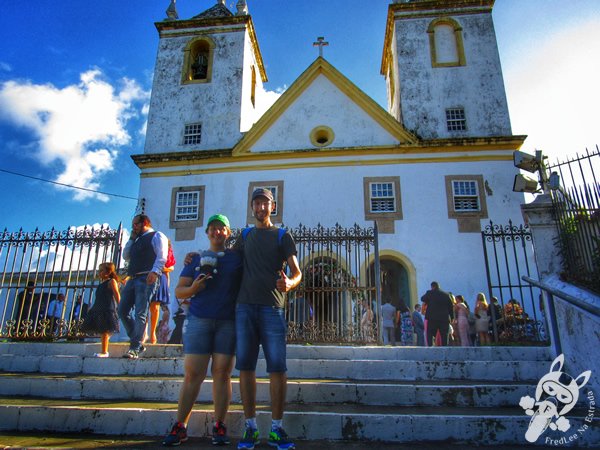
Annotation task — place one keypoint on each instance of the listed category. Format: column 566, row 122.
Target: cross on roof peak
column 320, row 43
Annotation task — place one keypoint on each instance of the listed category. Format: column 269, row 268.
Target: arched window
column 446, row 44
column 198, row 60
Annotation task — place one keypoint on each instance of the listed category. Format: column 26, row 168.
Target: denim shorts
column 260, row 325
column 208, row 336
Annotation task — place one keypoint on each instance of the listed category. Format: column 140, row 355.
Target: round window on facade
column 321, row 136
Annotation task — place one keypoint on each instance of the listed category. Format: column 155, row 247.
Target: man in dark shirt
column 260, row 316
column 439, row 313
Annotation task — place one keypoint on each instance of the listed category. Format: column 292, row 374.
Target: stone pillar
column 538, row 214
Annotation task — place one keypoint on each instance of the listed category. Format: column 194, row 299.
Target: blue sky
column 75, row 79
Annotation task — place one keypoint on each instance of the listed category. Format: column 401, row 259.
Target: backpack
column 280, row 233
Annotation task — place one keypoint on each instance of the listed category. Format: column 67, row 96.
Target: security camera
column 524, row 183
column 526, row 161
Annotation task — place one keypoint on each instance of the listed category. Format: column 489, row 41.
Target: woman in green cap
column 209, row 331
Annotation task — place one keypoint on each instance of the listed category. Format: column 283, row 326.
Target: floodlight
column 524, row 183
column 526, row 161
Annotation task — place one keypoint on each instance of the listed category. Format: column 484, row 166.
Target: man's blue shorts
column 260, row 325
column 208, row 336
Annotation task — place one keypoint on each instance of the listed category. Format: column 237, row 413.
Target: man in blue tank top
column 146, row 252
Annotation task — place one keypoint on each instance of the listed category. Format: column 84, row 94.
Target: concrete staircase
column 394, row 394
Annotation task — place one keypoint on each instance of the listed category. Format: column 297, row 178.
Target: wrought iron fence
column 39, row 269
column 337, row 300
column 515, row 306
column 576, row 202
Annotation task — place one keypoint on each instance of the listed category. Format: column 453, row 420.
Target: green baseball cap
column 218, row 218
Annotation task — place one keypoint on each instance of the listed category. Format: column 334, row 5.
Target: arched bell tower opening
column 197, row 66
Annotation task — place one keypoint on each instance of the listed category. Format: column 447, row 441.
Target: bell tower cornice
column 176, row 28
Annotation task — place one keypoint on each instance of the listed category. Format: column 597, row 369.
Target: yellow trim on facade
column 320, row 164
column 322, row 67
column 442, row 146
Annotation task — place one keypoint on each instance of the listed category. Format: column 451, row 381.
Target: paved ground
column 16, row 440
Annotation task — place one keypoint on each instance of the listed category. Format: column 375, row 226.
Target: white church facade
column 432, row 170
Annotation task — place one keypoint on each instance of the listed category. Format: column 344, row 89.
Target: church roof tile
column 219, row 10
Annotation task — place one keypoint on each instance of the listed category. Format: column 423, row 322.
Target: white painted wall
column 216, row 104
column 322, row 103
column 426, row 236
column 250, row 113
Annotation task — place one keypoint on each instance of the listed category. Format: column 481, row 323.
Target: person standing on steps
column 419, row 325
column 209, row 332
column 102, row 317
column 439, row 313
column 146, row 251
column 260, row 316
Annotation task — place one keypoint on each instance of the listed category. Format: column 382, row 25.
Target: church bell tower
column 442, row 68
column 208, row 70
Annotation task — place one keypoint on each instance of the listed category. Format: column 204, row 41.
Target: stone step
column 470, row 426
column 329, row 352
column 152, row 388
column 43, row 440
column 367, row 369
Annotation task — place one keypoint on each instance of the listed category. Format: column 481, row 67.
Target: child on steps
column 102, row 317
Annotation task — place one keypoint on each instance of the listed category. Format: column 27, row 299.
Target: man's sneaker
column 141, row 350
column 131, row 354
column 279, row 439
column 249, row 439
column 101, row 355
column 220, row 434
column 177, row 435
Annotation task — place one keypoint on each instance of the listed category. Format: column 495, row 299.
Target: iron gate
column 516, row 307
column 340, row 285
column 41, row 267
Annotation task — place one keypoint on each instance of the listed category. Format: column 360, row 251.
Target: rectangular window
column 187, row 206
column 466, row 195
column 192, row 134
column 382, row 197
column 455, row 119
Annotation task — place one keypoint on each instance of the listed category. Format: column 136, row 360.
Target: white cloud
column 82, row 126
column 265, row 99
column 5, row 67
column 553, row 92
